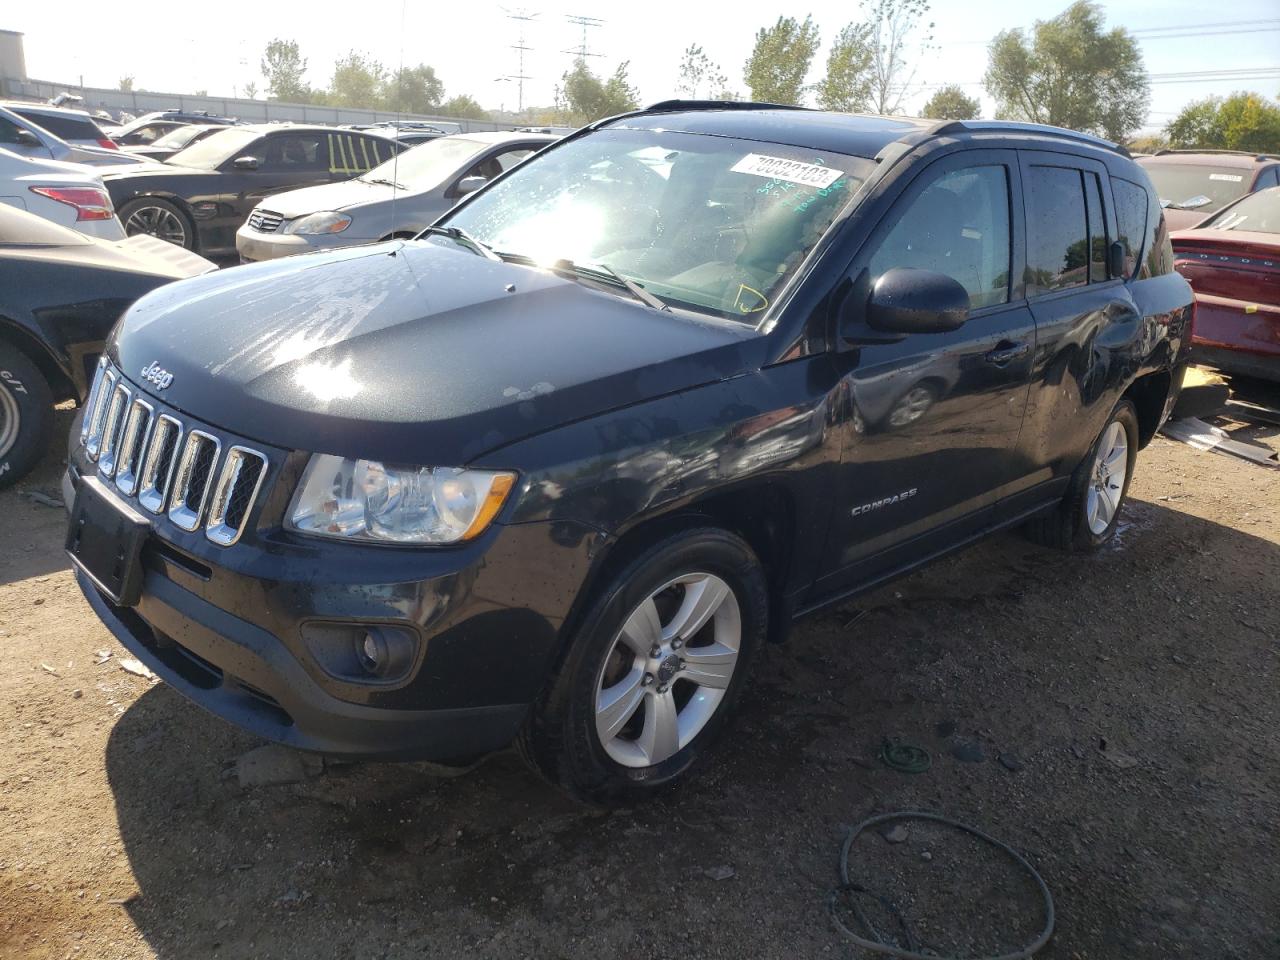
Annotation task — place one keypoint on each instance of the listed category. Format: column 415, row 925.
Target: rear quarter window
column 1131, row 220
column 1159, row 249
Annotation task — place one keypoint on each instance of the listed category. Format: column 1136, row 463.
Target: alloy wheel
column 668, row 669
column 1106, row 484
column 915, row 403
column 157, row 222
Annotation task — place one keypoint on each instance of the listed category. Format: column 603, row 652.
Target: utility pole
column 586, row 23
column 524, row 17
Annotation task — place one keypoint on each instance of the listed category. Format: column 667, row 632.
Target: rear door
column 933, row 430
column 1086, row 321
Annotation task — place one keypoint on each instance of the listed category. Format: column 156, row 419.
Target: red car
column 1192, row 184
column 1232, row 261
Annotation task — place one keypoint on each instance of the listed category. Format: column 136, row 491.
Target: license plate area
column 105, row 539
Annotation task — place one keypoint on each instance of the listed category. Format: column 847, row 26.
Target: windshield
column 708, row 223
column 1259, row 213
column 177, row 139
column 425, row 166
column 1178, row 183
column 216, row 148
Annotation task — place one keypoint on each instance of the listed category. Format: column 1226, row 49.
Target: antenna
column 586, row 23
column 524, row 17
column 395, row 157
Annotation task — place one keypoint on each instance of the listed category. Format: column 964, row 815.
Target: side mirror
column 469, row 185
column 27, row 138
column 247, row 163
column 906, row 300
column 1115, row 260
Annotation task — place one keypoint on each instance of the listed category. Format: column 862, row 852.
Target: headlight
column 368, row 500
column 315, row 223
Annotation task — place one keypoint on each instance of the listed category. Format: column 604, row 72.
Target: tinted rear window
column 65, row 125
column 1131, row 220
column 1057, row 230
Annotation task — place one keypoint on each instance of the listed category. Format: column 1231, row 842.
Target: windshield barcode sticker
column 794, row 171
column 1229, row 177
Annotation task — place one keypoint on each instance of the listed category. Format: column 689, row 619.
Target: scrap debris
column 1204, row 436
column 137, row 668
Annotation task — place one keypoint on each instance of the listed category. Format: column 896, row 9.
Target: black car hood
column 412, row 352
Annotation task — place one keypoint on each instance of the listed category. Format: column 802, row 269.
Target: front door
column 931, row 433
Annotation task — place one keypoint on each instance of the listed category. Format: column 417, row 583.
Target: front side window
column 708, row 223
column 1057, row 230
column 288, row 152
column 958, row 226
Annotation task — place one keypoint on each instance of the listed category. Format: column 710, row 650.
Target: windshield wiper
column 458, row 235
column 602, row 271
column 385, row 182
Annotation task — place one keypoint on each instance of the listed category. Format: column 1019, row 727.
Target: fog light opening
column 385, row 653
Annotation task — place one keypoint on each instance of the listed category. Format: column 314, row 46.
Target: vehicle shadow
column 32, row 523
column 1001, row 643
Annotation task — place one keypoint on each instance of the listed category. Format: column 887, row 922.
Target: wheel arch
column 38, row 352
column 1150, row 395
column 763, row 514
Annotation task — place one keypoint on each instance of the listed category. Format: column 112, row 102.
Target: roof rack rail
column 1018, row 126
column 1258, row 157
column 669, row 106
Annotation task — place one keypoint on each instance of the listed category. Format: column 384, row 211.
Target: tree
column 126, row 83
column 284, row 69
column 847, row 85
column 951, row 103
column 892, row 22
column 589, row 98
column 1242, row 121
column 1071, row 73
column 357, row 81
column 462, row 106
column 414, row 90
column 780, row 60
column 695, row 68
column 251, row 90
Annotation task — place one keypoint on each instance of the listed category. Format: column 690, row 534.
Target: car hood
column 328, row 196
column 412, row 352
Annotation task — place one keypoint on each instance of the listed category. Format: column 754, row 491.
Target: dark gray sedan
column 397, row 199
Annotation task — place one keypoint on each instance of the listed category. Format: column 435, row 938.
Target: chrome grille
column 192, row 479
column 133, row 441
column 173, row 468
column 97, row 415
column 265, row 221
column 112, row 424
column 234, row 493
column 157, row 464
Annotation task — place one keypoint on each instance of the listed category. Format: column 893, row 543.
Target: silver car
column 396, row 199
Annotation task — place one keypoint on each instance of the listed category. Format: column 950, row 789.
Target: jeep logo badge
column 157, row 375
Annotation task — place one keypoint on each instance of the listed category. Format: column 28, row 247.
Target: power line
column 586, row 23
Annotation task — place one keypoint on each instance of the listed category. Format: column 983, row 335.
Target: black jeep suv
column 553, row 472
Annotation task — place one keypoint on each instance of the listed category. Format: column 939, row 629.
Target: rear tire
column 654, row 671
column 1089, row 512
column 26, row 415
column 158, row 218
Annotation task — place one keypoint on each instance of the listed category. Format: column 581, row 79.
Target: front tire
column 1089, row 512
column 158, row 218
column 654, row 671
column 26, row 415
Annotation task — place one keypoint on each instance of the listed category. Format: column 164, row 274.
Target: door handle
column 1006, row 352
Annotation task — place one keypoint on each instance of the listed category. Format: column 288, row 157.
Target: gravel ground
column 1113, row 718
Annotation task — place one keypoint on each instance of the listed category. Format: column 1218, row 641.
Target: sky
column 179, row 46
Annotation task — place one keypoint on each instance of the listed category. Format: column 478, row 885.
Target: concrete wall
column 254, row 111
column 13, row 61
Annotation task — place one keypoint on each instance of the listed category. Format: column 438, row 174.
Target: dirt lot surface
column 1116, row 716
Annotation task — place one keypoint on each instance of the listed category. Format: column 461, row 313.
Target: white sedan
column 69, row 194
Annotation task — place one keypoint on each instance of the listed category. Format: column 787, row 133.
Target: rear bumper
column 1260, row 365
